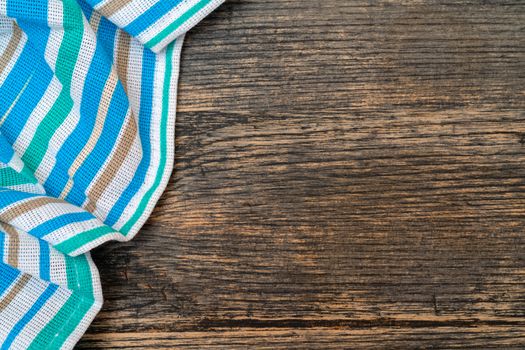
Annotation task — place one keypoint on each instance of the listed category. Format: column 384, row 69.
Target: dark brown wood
column 349, row 174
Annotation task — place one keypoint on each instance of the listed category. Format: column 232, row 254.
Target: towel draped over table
column 87, row 120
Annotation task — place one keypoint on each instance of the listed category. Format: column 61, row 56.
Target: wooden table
column 349, row 174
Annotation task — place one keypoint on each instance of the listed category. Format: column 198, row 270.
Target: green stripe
column 79, row 274
column 70, row 245
column 162, row 165
column 55, row 333
column 177, row 23
column 11, row 177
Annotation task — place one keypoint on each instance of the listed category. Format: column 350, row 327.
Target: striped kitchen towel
column 87, row 118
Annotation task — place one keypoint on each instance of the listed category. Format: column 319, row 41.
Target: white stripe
column 6, row 29
column 55, row 13
column 164, row 21
column 29, row 254
column 130, row 12
column 57, row 268
column 136, row 52
column 3, row 7
column 88, row 47
column 52, row 47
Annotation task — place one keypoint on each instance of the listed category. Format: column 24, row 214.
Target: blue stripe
column 17, row 329
column 28, row 101
column 6, row 151
column 34, row 9
column 38, row 35
column 9, row 197
column 150, row 16
column 44, row 260
column 58, row 222
column 95, row 2
column 146, row 103
column 106, row 35
column 86, row 8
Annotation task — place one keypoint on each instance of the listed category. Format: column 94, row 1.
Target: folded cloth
column 87, row 121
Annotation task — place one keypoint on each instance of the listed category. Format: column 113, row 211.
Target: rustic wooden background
column 349, row 174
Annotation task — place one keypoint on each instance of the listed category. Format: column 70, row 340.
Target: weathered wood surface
column 349, row 174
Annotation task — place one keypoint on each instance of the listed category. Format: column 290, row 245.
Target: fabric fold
column 48, row 299
column 87, row 127
column 68, row 228
column 155, row 23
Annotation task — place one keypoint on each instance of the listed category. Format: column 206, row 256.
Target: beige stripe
column 94, row 21
column 11, row 47
column 123, row 47
column 17, row 288
column 112, row 6
column 22, row 208
column 102, row 112
column 14, row 244
column 121, row 153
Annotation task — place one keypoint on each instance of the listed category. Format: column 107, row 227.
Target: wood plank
column 480, row 337
column 348, row 174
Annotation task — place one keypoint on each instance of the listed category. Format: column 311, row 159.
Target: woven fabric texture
column 87, row 128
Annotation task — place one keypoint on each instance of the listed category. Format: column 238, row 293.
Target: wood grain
column 349, row 174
